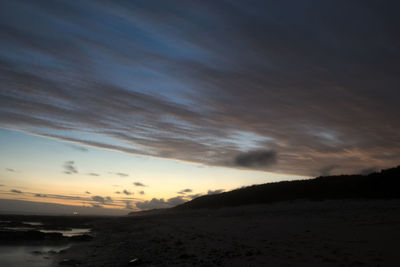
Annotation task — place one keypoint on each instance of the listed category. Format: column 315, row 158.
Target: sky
column 117, row 106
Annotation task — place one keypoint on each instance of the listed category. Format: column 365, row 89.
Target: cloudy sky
column 137, row 104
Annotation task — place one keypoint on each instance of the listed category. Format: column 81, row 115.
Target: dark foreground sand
column 325, row 233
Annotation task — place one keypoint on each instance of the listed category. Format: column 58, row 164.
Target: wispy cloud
column 138, row 184
column 102, row 200
column 10, row 170
column 184, row 191
column 78, row 148
column 69, row 167
column 126, row 192
column 93, row 174
column 120, row 174
column 128, row 204
column 258, row 159
column 206, row 98
column 86, row 199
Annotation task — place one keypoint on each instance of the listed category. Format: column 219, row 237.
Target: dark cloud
column 87, row 192
column 128, row 204
column 184, row 191
column 160, row 203
column 138, row 184
column 126, row 192
column 317, row 82
column 40, row 195
column 255, row 159
column 154, row 203
column 102, row 200
column 141, row 192
column 93, row 174
column 79, row 148
column 213, row 192
column 95, row 205
column 69, row 167
column 16, row 191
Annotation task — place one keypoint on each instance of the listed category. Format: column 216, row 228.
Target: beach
column 298, row 233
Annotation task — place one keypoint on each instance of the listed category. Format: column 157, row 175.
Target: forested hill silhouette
column 379, row 185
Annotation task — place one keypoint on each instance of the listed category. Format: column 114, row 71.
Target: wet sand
column 301, row 233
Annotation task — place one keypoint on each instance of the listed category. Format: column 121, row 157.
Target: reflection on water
column 33, row 256
column 19, row 228
column 33, row 223
column 69, row 233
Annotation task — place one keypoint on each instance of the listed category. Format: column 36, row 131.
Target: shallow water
column 69, row 233
column 33, row 256
column 33, row 223
column 66, row 233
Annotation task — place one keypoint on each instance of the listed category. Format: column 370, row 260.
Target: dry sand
column 302, row 233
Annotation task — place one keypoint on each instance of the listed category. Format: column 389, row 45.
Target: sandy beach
column 301, row 233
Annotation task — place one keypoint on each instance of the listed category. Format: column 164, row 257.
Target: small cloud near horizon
column 139, row 184
column 102, row 200
column 93, row 174
column 16, row 191
column 184, row 191
column 155, row 203
column 141, row 192
column 40, row 195
column 87, row 192
column 10, row 170
column 128, row 204
column 126, row 192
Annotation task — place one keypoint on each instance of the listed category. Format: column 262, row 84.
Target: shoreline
column 298, row 233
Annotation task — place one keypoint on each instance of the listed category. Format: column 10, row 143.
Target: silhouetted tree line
column 379, row 185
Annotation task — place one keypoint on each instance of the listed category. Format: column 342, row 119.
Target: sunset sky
column 118, row 106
